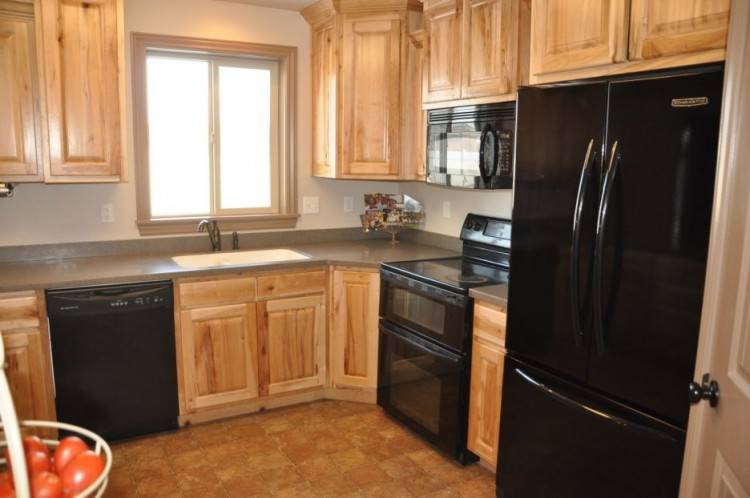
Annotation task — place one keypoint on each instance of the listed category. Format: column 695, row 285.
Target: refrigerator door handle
column 575, row 301
column 601, row 225
column 619, row 419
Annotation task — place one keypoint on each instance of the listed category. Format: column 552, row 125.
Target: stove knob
column 477, row 227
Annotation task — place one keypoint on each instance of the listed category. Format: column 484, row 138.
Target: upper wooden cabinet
column 573, row 39
column 83, row 84
column 20, row 146
column 476, row 50
column 354, row 328
column 362, row 66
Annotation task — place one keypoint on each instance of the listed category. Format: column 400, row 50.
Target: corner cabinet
column 362, row 66
column 354, row 328
column 573, row 39
column 476, row 51
column 487, row 362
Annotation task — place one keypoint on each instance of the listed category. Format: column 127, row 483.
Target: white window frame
column 281, row 61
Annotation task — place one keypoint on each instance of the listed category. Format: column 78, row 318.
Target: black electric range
column 425, row 333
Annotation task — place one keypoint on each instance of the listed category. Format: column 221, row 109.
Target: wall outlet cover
column 348, row 204
column 108, row 213
column 310, row 205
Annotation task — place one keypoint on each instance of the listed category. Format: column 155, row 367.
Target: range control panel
column 487, row 230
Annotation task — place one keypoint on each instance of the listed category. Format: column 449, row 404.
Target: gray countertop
column 132, row 268
column 493, row 294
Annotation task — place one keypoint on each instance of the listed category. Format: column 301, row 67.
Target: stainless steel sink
column 219, row 259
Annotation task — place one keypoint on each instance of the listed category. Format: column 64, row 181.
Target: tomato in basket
column 34, row 443
column 81, row 472
column 69, row 448
column 46, row 485
column 6, row 485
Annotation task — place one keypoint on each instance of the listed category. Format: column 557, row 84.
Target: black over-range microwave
column 472, row 146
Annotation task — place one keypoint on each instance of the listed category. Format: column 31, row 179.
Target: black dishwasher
column 113, row 356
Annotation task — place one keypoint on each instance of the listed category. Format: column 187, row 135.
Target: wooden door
column 219, row 355
column 442, row 66
column 292, row 344
column 413, row 123
column 370, row 87
column 324, row 80
column 672, row 27
column 354, row 349
column 81, row 47
column 577, row 34
column 20, row 133
column 489, row 47
column 718, row 440
column 487, row 361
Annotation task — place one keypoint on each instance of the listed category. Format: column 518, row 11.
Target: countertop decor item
column 391, row 213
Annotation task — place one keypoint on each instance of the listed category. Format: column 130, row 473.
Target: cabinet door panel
column 484, row 405
column 82, row 74
column 355, row 328
column 488, row 48
column 27, row 374
column 370, row 91
column 219, row 355
column 19, row 158
column 324, row 77
column 577, row 34
column 292, row 344
column 442, row 79
column 672, row 27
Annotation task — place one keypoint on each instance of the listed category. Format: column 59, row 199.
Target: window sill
column 171, row 226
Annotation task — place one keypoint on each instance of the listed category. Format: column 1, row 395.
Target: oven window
column 419, row 310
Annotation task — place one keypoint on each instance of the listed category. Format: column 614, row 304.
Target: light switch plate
column 446, row 209
column 310, row 205
column 348, row 204
column 108, row 213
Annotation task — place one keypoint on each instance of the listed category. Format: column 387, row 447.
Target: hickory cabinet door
column 442, row 66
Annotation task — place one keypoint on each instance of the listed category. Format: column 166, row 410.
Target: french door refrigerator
column 612, row 204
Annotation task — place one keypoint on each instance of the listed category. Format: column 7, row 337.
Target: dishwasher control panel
column 111, row 298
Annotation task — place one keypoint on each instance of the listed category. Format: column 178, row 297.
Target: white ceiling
column 278, row 4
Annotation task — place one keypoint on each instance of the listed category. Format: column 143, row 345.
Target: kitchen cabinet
column 20, row 135
column 364, row 83
column 476, row 51
column 220, row 355
column 354, row 328
column 487, row 360
column 83, row 84
column 588, row 38
column 23, row 326
column 292, row 344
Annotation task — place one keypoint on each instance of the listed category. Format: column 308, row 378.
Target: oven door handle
column 486, row 174
column 419, row 343
column 431, row 291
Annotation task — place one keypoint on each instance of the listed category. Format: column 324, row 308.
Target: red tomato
column 37, row 461
column 81, row 472
column 67, row 450
column 34, row 443
column 6, row 485
column 46, row 485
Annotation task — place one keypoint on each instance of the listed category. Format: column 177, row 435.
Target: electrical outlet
column 348, row 204
column 108, row 213
column 446, row 209
column 310, row 205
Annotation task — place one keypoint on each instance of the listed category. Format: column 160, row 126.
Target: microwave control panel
column 505, row 162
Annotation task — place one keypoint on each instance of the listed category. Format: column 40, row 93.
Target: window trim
column 286, row 57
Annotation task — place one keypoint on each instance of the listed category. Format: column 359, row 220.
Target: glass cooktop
column 457, row 273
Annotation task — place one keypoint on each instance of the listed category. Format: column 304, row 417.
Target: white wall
column 67, row 213
column 491, row 203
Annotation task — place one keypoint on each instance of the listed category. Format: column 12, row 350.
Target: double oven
column 425, row 338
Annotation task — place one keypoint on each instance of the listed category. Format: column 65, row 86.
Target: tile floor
column 322, row 449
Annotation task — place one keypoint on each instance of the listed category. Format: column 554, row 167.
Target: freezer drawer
column 563, row 441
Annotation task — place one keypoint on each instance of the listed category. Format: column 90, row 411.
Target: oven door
column 435, row 313
column 425, row 387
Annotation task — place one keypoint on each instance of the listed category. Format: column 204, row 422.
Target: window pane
column 178, row 123
column 245, row 137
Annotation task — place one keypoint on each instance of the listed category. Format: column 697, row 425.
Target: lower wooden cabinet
column 487, row 361
column 23, row 326
column 292, row 344
column 354, row 328
column 219, row 355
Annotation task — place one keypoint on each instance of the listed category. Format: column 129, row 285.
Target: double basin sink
column 238, row 258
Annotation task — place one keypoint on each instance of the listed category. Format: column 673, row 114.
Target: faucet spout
column 214, row 234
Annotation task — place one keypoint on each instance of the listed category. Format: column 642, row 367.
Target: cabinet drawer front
column 289, row 284
column 18, row 311
column 489, row 323
column 217, row 291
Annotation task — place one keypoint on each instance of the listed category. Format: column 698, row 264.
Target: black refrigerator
column 614, row 185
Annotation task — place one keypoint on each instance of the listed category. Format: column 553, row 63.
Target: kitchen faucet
column 214, row 234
